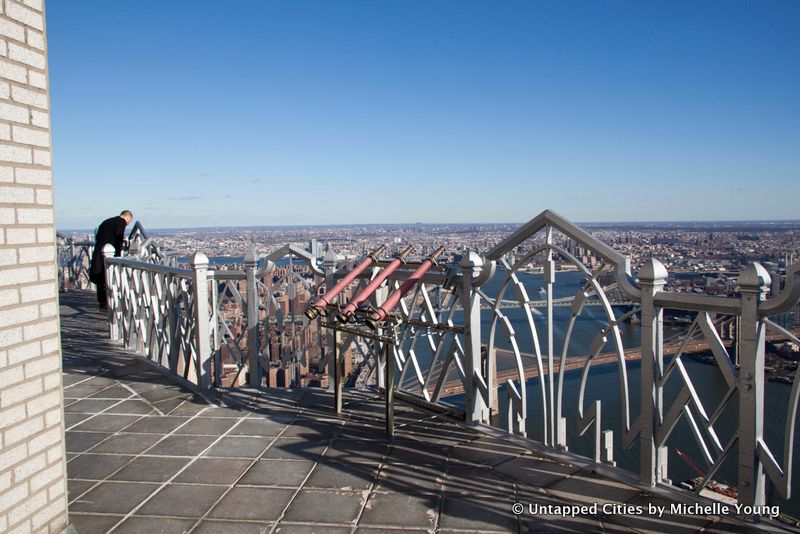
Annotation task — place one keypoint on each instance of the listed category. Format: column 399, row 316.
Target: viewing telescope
column 319, row 306
column 380, row 314
column 352, row 306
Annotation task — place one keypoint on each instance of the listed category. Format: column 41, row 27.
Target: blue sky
column 195, row 113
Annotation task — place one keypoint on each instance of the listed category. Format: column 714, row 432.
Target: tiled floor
column 146, row 455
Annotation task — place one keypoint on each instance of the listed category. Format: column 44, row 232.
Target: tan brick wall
column 32, row 466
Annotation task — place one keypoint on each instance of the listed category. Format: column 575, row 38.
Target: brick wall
column 32, row 466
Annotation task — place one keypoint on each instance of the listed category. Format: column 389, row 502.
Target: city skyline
column 722, row 224
column 317, row 113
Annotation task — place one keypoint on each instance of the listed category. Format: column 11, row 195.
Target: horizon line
column 339, row 225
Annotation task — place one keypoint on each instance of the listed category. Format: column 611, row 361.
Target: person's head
column 127, row 215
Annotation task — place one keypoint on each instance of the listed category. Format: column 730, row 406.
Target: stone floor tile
column 535, row 471
column 728, row 526
column 107, row 423
column 586, row 487
column 132, row 407
column 207, row 426
column 83, row 392
column 401, row 510
column 97, row 379
column 78, row 487
column 91, row 523
column 168, row 406
column 295, row 449
column 154, row 393
column 472, row 480
column 277, row 473
column 628, row 514
column 209, row 526
column 150, row 469
column 325, row 505
column 434, row 433
column 258, row 427
column 352, row 450
column 154, row 525
column 192, row 406
column 239, row 447
column 181, row 445
column 113, row 498
column 90, row 406
column 214, row 471
column 343, row 476
column 570, row 524
column 95, row 466
column 286, row 527
column 283, row 416
column 412, row 452
column 74, row 419
column 82, row 441
column 360, row 430
column 252, row 503
column 222, row 411
column 409, row 479
column 70, row 379
column 385, row 530
column 113, row 392
column 487, row 450
column 125, row 443
column 478, row 512
column 536, row 517
column 309, row 429
column 156, row 425
column 182, row 500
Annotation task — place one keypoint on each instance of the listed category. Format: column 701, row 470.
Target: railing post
column 329, row 265
column 549, row 279
column 389, row 386
column 111, row 301
column 202, row 329
column 253, row 339
column 171, row 290
column 337, row 373
column 476, row 408
column 216, row 335
column 652, row 278
column 381, row 360
column 753, row 285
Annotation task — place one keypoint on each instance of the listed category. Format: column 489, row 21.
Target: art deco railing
column 186, row 320
column 75, row 255
column 455, row 329
column 74, row 258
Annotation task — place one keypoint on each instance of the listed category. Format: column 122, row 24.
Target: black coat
column 110, row 232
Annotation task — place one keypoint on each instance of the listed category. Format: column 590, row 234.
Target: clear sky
column 201, row 113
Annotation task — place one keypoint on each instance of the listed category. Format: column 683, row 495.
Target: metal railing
column 75, row 256
column 444, row 345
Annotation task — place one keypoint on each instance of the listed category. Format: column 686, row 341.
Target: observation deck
column 148, row 452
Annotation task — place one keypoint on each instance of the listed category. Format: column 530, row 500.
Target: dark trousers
column 101, row 292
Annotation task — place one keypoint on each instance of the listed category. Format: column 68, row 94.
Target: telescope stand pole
column 337, row 373
column 389, row 367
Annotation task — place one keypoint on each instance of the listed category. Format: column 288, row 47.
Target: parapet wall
column 32, row 466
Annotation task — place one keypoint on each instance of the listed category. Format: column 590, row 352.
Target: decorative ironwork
column 453, row 333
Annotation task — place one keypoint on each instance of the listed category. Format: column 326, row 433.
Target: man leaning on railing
column 110, row 232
